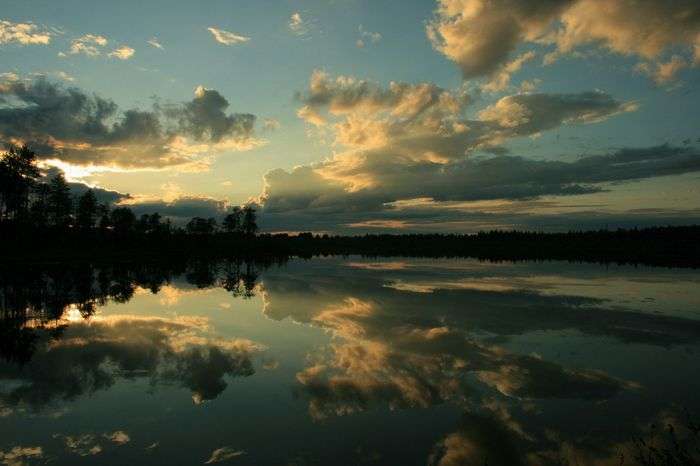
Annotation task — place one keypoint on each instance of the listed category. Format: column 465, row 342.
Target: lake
column 347, row 360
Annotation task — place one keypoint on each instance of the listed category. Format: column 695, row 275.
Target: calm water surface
column 344, row 361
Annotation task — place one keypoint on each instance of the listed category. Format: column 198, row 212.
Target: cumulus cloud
column 303, row 197
column 663, row 72
column 481, row 36
column 501, row 79
column 205, row 118
column 23, row 34
column 180, row 207
column 89, row 44
column 367, row 37
column 532, row 113
column 77, row 189
column 271, row 124
column 406, row 141
column 226, row 37
column 86, row 129
column 122, row 53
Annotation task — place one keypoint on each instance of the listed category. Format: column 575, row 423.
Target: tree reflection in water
column 57, row 357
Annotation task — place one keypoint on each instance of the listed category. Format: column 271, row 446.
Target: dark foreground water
column 347, row 361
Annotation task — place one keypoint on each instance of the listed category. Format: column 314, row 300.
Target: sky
column 359, row 116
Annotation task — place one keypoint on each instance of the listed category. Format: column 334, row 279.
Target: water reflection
column 455, row 362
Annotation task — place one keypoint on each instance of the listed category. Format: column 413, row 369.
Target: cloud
column 271, row 124
column 179, row 209
column 86, row 129
column 480, row 36
column 367, row 37
column 223, row 454
column 205, row 118
column 23, row 34
column 154, row 42
column 297, row 25
column 533, row 113
column 408, row 141
column 663, row 72
column 65, row 76
column 226, row 37
column 122, row 53
column 77, row 189
column 89, row 44
column 501, row 79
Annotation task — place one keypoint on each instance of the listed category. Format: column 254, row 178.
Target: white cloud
column 226, row 37
column 271, row 124
column 153, row 41
column 122, row 53
column 9, row 76
column 65, row 76
column 367, row 37
column 297, row 25
column 23, row 33
column 88, row 44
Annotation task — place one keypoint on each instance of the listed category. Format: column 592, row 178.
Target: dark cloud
column 182, row 209
column 205, row 119
column 328, row 204
column 82, row 128
column 529, row 114
column 77, row 189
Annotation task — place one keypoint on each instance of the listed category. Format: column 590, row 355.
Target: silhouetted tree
column 154, row 223
column 60, row 203
column 123, row 220
column 86, row 212
column 105, row 222
column 232, row 222
column 201, row 226
column 142, row 224
column 18, row 174
column 249, row 225
column 39, row 210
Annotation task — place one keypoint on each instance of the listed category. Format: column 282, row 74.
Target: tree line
column 26, row 199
